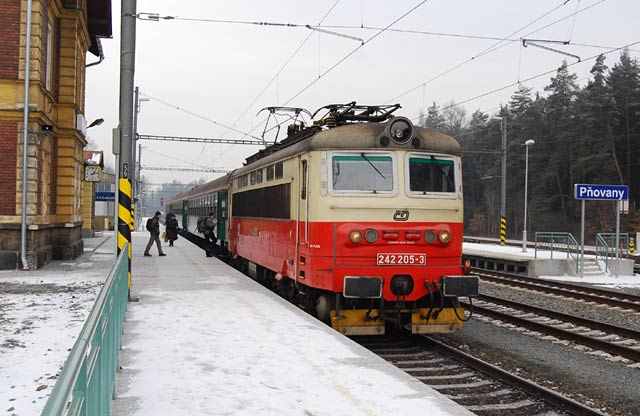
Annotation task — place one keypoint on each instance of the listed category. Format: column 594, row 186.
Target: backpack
column 150, row 224
column 202, row 226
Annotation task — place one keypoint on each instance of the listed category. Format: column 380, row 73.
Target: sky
column 202, row 77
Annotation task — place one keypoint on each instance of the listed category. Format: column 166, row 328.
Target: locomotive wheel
column 324, row 305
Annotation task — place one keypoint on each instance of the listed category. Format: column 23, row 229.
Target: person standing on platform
column 153, row 226
column 172, row 228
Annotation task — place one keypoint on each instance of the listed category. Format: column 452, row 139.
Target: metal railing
column 87, row 382
column 606, row 247
column 559, row 243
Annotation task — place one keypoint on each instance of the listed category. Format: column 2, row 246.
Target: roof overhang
column 99, row 23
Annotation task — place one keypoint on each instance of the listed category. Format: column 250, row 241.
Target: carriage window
column 279, row 170
column 364, row 172
column 431, row 174
column 252, row 177
column 270, row 172
column 259, row 176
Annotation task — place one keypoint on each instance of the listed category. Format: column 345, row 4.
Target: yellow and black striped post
column 124, row 220
column 503, row 231
column 126, row 162
column 632, row 246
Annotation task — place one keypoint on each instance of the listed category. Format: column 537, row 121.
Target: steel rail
column 601, row 296
column 601, row 326
column 546, row 395
column 626, row 352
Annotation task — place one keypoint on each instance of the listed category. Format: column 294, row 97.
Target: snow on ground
column 512, row 251
column 41, row 315
column 605, row 280
column 206, row 340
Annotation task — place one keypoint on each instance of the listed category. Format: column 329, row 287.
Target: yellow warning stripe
column 125, row 219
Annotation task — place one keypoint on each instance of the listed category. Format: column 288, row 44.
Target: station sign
column 105, row 196
column 601, row 192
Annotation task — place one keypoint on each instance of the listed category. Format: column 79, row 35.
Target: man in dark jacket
column 153, row 226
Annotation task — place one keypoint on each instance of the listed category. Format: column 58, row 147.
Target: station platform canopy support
column 585, row 192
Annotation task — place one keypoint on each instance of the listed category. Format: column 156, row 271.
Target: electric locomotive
column 358, row 219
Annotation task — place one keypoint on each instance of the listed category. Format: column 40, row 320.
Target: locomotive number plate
column 388, row 259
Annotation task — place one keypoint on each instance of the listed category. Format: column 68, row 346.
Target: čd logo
column 401, row 215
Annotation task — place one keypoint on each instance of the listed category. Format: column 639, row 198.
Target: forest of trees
column 582, row 135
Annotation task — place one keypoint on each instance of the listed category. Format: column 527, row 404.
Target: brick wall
column 9, row 38
column 8, row 160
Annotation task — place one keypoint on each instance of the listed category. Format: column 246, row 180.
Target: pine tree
column 624, row 82
column 434, row 119
column 559, row 117
column 520, row 100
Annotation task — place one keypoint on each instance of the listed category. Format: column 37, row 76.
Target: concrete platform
column 511, row 259
column 207, row 340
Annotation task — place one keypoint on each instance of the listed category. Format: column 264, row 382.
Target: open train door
column 221, row 210
column 302, row 212
column 185, row 214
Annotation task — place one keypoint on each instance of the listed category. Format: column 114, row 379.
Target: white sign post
column 601, row 193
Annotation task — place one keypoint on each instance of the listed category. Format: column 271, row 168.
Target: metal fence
column 557, row 243
column 606, row 247
column 87, row 383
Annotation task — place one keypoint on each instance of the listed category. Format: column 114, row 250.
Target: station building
column 62, row 32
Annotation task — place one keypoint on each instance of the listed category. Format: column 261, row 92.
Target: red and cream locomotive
column 357, row 218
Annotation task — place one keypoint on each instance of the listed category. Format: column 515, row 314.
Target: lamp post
column 528, row 143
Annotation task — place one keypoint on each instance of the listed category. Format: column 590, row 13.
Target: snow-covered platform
column 206, row 340
column 512, row 259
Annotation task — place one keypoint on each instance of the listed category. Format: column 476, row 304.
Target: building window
column 49, row 66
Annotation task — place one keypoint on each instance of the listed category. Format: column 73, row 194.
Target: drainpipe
column 100, row 57
column 25, row 142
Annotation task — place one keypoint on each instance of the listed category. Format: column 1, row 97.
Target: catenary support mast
column 126, row 167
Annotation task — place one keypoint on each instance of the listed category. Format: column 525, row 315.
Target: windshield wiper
column 447, row 177
column 372, row 165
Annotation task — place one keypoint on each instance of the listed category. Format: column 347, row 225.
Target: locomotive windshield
column 362, row 172
column 429, row 174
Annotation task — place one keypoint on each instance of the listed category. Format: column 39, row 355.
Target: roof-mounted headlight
column 400, row 130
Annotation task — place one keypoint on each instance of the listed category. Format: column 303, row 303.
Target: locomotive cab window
column 356, row 173
column 430, row 174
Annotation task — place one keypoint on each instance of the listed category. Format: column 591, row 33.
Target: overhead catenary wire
column 457, row 35
column 175, row 158
column 194, row 114
column 276, row 76
column 513, row 84
column 498, row 45
column 348, row 55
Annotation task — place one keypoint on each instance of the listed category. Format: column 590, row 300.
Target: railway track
column 614, row 340
column 475, row 384
column 588, row 294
